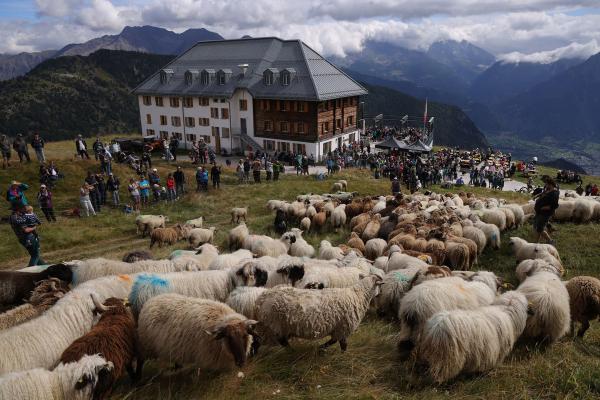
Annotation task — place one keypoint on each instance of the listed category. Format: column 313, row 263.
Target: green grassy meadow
column 370, row 368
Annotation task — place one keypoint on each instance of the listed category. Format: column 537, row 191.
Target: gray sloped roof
column 315, row 78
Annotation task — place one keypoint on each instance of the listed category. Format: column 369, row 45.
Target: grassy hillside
column 63, row 97
column 370, row 368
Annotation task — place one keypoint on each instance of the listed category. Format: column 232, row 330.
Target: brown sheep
column 359, row 219
column 356, row 242
column 584, row 298
column 167, row 235
column 471, row 245
column 438, row 249
column 372, row 228
column 457, row 256
column 114, row 337
column 354, row 208
column 318, row 221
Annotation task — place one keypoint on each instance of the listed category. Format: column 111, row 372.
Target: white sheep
column 564, row 212
column 146, row 223
column 430, row 297
column 329, row 252
column 492, row 232
column 583, row 210
column 527, row 268
column 398, row 260
column 195, row 223
column 494, row 216
column 227, row 261
column 300, row 247
column 518, row 214
column 314, row 314
column 305, row 224
column 379, row 206
column 476, row 235
column 243, row 300
column 276, row 204
column 530, row 251
column 201, row 258
column 338, row 217
column 71, row 381
column 199, row 236
column 237, row 236
column 472, row 340
column 311, row 211
column 549, row 301
column 262, row 245
column 237, row 213
column 374, row 248
column 336, row 187
column 510, row 217
column 187, row 330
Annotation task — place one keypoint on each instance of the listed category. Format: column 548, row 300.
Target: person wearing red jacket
column 171, row 193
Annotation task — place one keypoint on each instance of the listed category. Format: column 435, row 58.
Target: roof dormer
column 287, row 76
column 166, row 75
column 223, row 76
column 207, row 76
column 190, row 76
column 270, row 76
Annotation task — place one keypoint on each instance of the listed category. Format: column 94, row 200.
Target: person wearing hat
column 45, row 200
column 5, row 150
column 395, row 186
column 20, row 146
column 24, row 223
column 153, row 177
column 15, row 195
column 81, row 147
column 545, row 206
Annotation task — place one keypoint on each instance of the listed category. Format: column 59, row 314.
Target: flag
column 425, row 115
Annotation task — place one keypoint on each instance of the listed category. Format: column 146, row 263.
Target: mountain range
column 146, row 39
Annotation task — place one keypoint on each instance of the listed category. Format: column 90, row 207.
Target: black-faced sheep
column 16, row 286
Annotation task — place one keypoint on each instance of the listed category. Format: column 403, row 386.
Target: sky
column 513, row 30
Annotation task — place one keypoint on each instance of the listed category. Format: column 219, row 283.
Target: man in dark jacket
column 81, row 147
column 98, row 148
column 20, row 146
column 173, row 145
column 545, row 205
column 112, row 185
column 179, row 177
column 215, row 174
column 37, row 144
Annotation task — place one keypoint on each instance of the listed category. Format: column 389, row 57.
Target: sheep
column 564, row 212
column 199, row 259
column 243, row 300
column 318, row 221
column 379, row 206
column 168, row 235
column 494, row 216
column 195, row 223
column 584, row 300
column 276, row 204
column 237, row 213
column 583, row 210
column 237, row 236
column 344, row 184
column 40, row 341
column 44, row 296
column 329, row 252
column 375, row 248
column 73, row 381
column 524, row 250
column 136, row 255
column 227, row 261
column 94, row 268
column 338, row 217
column 477, row 236
column 314, row 314
column 398, row 260
column 202, row 332
column 471, row 246
column 262, row 245
column 356, row 242
column 472, row 340
column 305, row 224
column 549, row 300
column 518, row 214
column 433, row 296
column 146, row 223
column 114, row 337
column 300, row 247
column 15, row 286
column 492, row 233
column 510, row 217
column 457, row 255
column 361, row 219
column 199, row 236
column 306, row 274
column 527, row 268
column 213, row 285
column 337, row 187
column 372, row 228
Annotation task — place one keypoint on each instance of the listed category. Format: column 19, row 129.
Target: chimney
column 244, row 68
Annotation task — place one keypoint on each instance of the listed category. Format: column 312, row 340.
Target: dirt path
column 103, row 248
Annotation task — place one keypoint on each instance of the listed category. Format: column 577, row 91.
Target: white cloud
column 573, row 50
column 101, row 15
column 56, row 8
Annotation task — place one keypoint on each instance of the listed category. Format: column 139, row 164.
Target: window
column 215, row 100
column 158, row 101
column 214, row 112
column 203, row 122
column 164, row 134
column 189, row 78
column 224, row 113
column 338, row 123
column 269, row 145
column 301, row 107
column 221, row 78
column 215, row 131
column 147, row 100
column 350, row 120
column 325, row 127
column 148, row 118
column 188, row 102
column 206, row 139
column 265, row 105
column 300, row 127
column 174, row 102
column 243, row 105
column 283, row 146
column 283, row 106
column 284, row 126
column 204, row 78
column 299, row 148
column 178, row 135
column 326, row 147
column 225, row 133
column 222, row 100
column 190, row 122
column 268, row 78
column 204, row 101
column 149, row 132
column 338, row 103
column 268, row 126
column 176, row 121
column 190, row 137
column 163, row 119
column 285, row 78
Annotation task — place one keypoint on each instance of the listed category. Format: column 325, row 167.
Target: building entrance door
column 218, row 143
column 243, row 128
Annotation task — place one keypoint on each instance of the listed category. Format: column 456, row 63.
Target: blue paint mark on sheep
column 400, row 277
column 175, row 254
column 145, row 287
